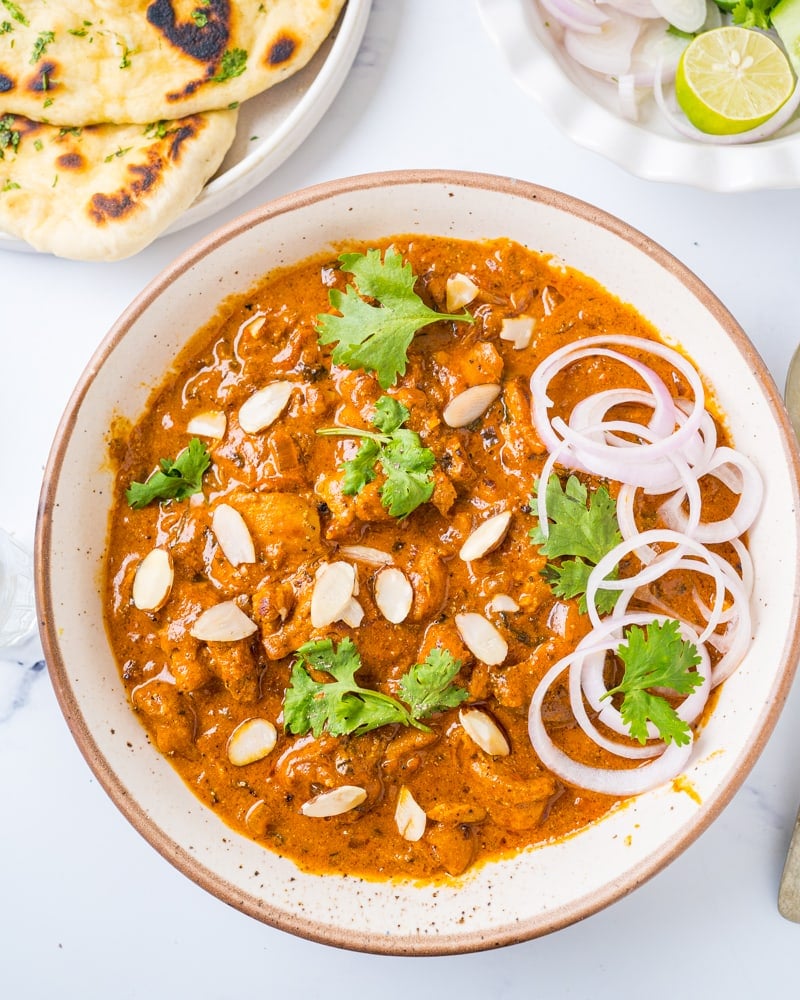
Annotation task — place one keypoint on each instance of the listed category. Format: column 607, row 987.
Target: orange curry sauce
column 286, row 481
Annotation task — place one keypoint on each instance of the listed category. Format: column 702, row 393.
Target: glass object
column 17, row 602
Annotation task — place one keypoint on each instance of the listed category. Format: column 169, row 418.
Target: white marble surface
column 87, row 908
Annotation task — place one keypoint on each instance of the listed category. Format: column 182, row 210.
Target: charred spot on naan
column 282, row 49
column 204, row 40
column 44, row 80
column 120, row 204
column 105, row 208
column 71, row 161
column 6, row 83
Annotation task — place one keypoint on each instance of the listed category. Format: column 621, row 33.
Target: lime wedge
column 732, row 79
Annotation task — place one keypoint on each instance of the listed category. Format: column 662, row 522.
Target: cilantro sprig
column 175, row 479
column 342, row 707
column 403, row 459
column 749, row 13
column 656, row 657
column 581, row 531
column 376, row 337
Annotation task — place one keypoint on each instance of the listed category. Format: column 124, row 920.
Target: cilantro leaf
column 342, row 707
column 173, row 480
column 405, row 462
column 569, row 580
column 656, row 658
column 233, row 63
column 753, row 13
column 428, row 687
column 377, row 337
column 582, row 528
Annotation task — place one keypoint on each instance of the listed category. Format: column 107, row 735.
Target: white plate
column 273, row 124
column 585, row 108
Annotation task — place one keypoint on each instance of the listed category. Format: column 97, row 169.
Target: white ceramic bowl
column 585, row 108
column 542, row 889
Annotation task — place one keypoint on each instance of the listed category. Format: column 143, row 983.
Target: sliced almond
column 210, row 424
column 461, row 290
column 483, row 730
column 482, row 638
column 334, row 803
column 333, row 589
column 264, row 406
column 233, row 535
column 366, row 554
column 409, row 816
column 470, row 404
column 394, row 594
column 224, row 622
column 253, row 325
column 153, row 580
column 518, row 330
column 486, row 537
column 251, row 740
column 502, row 603
column 353, row 613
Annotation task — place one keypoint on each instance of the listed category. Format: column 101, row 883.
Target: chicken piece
column 453, row 846
column 285, row 527
column 444, row 493
column 515, row 801
column 314, row 765
column 404, row 753
column 342, row 522
column 520, row 436
column 235, row 664
column 473, row 364
column 286, row 459
column 282, row 610
column 169, row 716
column 429, row 579
column 368, row 505
column 444, row 635
column 190, row 670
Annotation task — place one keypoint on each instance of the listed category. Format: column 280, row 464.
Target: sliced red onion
column 594, row 456
column 750, row 496
column 594, row 688
column 655, row 45
column 643, row 9
column 628, row 97
column 634, row 781
column 578, row 15
column 685, row 15
column 609, row 51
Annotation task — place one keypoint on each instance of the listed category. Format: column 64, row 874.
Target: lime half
column 732, row 79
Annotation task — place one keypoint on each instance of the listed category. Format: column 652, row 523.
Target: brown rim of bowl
column 510, row 933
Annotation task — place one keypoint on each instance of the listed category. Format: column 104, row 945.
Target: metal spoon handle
column 789, row 892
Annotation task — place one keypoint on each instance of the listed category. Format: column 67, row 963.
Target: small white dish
column 584, row 107
column 539, row 890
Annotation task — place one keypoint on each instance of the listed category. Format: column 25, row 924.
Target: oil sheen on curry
column 427, row 552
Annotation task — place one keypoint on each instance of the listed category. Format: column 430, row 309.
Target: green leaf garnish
column 656, row 657
column 233, row 63
column 342, row 707
column 377, row 337
column 403, row 459
column 428, row 687
column 173, row 480
column 753, row 13
column 583, row 531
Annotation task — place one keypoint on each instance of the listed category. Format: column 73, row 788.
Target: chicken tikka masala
column 346, row 555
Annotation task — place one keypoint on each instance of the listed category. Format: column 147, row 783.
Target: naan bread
column 144, row 60
column 103, row 192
